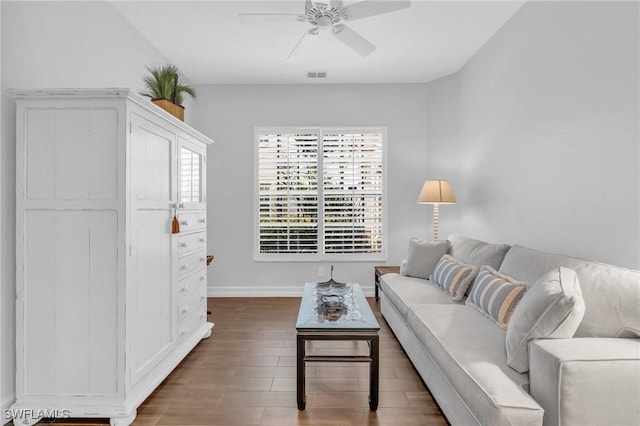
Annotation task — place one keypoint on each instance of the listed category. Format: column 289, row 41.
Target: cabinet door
column 153, row 158
column 191, row 174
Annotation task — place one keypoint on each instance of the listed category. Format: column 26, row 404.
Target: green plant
column 164, row 83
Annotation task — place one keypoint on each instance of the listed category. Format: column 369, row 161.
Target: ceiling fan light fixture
column 329, row 14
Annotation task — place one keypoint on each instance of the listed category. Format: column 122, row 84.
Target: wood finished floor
column 244, row 374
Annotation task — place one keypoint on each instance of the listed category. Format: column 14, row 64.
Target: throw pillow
column 552, row 308
column 453, row 276
column 423, row 256
column 495, row 295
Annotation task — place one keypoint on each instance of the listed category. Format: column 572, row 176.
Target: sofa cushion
column 495, row 295
column 611, row 294
column 423, row 257
column 552, row 308
column 453, row 276
column 469, row 350
column 406, row 292
column 476, row 252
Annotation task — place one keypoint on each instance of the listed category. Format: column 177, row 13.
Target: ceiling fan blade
column 355, row 41
column 367, row 8
column 304, row 45
column 271, row 17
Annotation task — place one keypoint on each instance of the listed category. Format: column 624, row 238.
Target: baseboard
column 246, row 291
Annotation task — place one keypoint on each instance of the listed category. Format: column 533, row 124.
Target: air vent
column 319, row 74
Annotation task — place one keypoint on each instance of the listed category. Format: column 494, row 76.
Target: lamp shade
column 436, row 191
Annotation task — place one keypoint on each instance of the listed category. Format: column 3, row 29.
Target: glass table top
column 335, row 307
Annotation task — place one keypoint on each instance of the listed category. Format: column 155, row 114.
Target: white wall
column 228, row 114
column 54, row 44
column 538, row 133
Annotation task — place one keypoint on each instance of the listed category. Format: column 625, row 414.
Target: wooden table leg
column 376, row 284
column 300, row 372
column 374, row 375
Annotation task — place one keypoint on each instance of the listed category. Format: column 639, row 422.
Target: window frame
column 320, row 256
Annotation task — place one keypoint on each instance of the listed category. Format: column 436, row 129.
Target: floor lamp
column 436, row 192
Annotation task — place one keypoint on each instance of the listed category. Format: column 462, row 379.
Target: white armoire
column 108, row 299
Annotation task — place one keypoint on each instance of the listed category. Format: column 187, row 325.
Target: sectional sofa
column 577, row 364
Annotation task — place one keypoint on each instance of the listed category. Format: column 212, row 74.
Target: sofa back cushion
column 476, row 252
column 611, row 294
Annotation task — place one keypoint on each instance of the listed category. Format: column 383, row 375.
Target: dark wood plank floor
column 244, row 374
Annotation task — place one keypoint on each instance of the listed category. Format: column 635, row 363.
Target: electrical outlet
column 320, row 271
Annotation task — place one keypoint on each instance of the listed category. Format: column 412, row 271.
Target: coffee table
column 346, row 317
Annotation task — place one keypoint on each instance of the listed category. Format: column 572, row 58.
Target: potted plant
column 166, row 90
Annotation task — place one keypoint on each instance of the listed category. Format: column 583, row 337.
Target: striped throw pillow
column 495, row 295
column 453, row 276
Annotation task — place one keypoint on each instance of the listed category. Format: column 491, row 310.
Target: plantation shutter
column 288, row 192
column 352, row 192
column 320, row 194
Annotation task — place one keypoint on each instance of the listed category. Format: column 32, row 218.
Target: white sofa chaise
column 590, row 379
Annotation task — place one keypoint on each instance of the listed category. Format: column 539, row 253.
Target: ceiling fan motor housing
column 325, row 14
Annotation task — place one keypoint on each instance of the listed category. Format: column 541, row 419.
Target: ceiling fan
column 331, row 15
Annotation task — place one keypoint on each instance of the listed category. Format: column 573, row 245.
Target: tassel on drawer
column 175, row 225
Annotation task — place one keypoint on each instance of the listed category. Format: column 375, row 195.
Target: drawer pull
column 185, row 266
column 203, row 298
column 185, row 310
column 202, row 220
column 183, row 331
column 184, row 222
column 185, row 245
column 202, row 277
column 183, row 288
column 202, row 240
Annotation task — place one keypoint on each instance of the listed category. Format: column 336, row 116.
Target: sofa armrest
column 403, row 266
column 586, row 381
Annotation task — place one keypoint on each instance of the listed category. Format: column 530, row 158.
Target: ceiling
column 210, row 44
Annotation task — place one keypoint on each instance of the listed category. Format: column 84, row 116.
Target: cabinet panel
column 70, row 279
column 191, row 174
column 72, row 154
column 151, row 157
column 190, row 184
column 153, row 319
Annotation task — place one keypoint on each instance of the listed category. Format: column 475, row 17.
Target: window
column 320, row 194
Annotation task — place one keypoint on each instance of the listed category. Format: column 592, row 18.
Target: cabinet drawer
column 192, row 322
column 189, row 284
column 192, row 221
column 191, row 263
column 191, row 242
column 187, row 305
